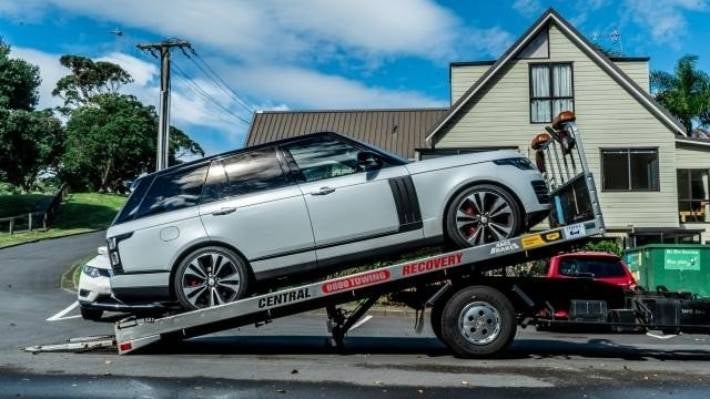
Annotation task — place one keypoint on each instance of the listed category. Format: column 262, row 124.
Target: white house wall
column 463, row 77
column 608, row 116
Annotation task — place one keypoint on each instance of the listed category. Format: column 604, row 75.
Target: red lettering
column 432, row 264
column 355, row 281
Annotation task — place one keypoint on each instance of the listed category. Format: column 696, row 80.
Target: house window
column 551, row 91
column 693, row 196
column 630, row 169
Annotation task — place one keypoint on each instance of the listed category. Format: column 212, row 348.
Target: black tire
column 91, row 314
column 435, row 317
column 198, row 256
column 514, row 219
column 470, row 299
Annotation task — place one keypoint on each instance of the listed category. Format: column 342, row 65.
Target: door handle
column 323, row 191
column 224, row 211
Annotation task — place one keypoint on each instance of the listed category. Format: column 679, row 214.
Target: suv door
column 346, row 203
column 251, row 204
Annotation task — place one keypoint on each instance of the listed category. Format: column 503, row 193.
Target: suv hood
column 459, row 160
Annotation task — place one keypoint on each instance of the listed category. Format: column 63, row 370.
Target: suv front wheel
column 210, row 276
column 482, row 214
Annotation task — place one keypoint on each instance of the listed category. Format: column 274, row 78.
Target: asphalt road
column 385, row 357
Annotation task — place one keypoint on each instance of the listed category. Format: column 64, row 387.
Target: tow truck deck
column 473, row 314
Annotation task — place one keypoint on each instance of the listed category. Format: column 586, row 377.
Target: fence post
column 44, row 221
column 30, row 221
column 12, row 225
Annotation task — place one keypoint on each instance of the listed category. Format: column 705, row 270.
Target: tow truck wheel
column 478, row 321
column 435, row 318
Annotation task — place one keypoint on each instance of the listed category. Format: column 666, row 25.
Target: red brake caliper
column 471, row 229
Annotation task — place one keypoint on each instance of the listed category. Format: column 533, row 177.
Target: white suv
column 208, row 232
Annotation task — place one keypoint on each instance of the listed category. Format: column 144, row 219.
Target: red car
column 600, row 266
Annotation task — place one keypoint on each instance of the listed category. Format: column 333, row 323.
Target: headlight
column 94, row 272
column 520, row 163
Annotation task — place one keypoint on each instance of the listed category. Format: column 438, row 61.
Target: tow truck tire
column 478, row 321
column 435, row 318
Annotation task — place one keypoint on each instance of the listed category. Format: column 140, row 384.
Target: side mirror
column 367, row 160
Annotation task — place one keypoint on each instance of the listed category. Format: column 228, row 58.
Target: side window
column 130, row 208
column 324, row 157
column 173, row 191
column 245, row 173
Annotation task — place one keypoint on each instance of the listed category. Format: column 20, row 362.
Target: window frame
column 296, row 174
column 690, row 198
column 550, row 98
column 628, row 165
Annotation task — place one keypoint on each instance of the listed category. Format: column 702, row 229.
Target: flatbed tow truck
column 473, row 313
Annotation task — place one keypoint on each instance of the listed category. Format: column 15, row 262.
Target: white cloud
column 664, row 19
column 283, row 30
column 306, row 88
column 528, row 8
column 142, row 72
column 50, row 71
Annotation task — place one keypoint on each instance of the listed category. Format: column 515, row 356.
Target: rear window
column 174, row 191
column 130, row 208
column 591, row 267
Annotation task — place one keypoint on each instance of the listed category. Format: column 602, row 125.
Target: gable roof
column 551, row 16
column 398, row 131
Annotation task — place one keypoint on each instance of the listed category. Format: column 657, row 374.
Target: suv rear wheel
column 210, row 276
column 482, row 214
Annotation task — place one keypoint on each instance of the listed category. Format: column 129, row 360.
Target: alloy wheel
column 210, row 279
column 483, row 217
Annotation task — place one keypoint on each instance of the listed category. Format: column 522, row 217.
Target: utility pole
column 162, row 50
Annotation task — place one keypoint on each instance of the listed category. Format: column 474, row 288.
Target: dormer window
column 551, row 91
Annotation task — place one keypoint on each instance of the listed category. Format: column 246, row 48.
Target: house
column 652, row 177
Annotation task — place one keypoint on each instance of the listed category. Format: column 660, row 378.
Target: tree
column 685, row 93
column 113, row 140
column 19, row 81
column 30, row 142
column 111, row 137
column 87, row 79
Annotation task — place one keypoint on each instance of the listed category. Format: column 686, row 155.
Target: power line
column 215, row 77
column 196, row 88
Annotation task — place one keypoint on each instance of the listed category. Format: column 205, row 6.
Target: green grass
column 14, row 205
column 80, row 213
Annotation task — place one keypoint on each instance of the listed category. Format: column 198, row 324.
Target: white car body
column 314, row 220
column 91, row 288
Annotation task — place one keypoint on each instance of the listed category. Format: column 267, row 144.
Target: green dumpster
column 678, row 267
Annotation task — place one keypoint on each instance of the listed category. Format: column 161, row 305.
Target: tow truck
column 473, row 312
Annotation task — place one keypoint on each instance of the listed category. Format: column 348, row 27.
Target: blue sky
column 323, row 54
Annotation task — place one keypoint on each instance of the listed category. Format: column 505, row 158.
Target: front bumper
column 111, row 304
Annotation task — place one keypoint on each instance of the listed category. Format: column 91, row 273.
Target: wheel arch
column 472, row 183
column 203, row 244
